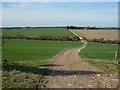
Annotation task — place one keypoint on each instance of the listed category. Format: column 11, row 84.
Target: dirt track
column 69, row 71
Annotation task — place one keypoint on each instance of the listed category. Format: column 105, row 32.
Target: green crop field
column 25, row 59
column 102, row 56
column 99, row 51
column 37, row 32
column 21, row 50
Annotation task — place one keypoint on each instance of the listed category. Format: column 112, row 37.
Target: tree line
column 68, row 27
column 93, row 28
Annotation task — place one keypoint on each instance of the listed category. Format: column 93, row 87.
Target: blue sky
column 60, row 14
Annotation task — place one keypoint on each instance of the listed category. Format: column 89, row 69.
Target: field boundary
column 61, row 52
column 100, row 36
column 84, row 43
column 77, row 35
column 99, row 60
column 83, row 46
column 52, row 34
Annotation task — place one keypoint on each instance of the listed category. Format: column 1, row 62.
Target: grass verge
column 107, row 67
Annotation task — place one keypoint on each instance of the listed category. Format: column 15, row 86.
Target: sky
column 60, row 0
column 99, row 14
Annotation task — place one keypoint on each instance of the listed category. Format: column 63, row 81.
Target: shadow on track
column 46, row 71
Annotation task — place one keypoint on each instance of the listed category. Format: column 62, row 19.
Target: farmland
column 26, row 61
column 99, row 51
column 98, row 34
column 39, row 33
column 26, row 50
column 25, row 57
column 102, row 56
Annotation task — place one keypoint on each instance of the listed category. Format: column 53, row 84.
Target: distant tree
column 67, row 27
